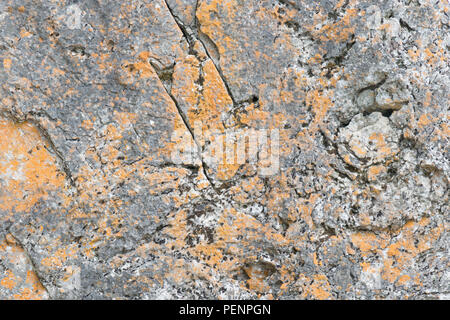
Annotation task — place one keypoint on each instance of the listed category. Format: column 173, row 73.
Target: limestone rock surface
column 121, row 124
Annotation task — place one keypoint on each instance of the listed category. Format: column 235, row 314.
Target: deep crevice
column 213, row 47
column 191, row 131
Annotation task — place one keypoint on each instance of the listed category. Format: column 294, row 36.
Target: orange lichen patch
column 368, row 241
column 204, row 103
column 143, row 66
column 430, row 56
column 208, row 13
column 9, row 281
column 397, row 250
column 58, row 72
column 132, row 70
column 125, row 119
column 235, row 228
column 87, row 124
column 374, row 171
column 19, row 281
column 215, row 95
column 226, row 171
column 339, row 31
column 93, row 181
column 414, row 54
column 358, row 151
column 186, row 74
column 28, row 172
column 316, row 287
column 404, row 279
column 210, row 26
column 320, row 102
column 37, row 290
column 225, row 154
column 380, row 142
column 320, row 288
column 241, row 193
column 177, row 228
column 181, row 136
column 424, row 120
column 59, row 257
column 7, row 63
column 201, row 92
column 28, row 294
column 254, row 116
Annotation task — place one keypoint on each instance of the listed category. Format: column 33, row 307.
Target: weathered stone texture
column 97, row 95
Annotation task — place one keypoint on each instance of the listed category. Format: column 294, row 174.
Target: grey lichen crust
column 97, row 96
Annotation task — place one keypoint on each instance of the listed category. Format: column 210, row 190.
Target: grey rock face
column 121, row 124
